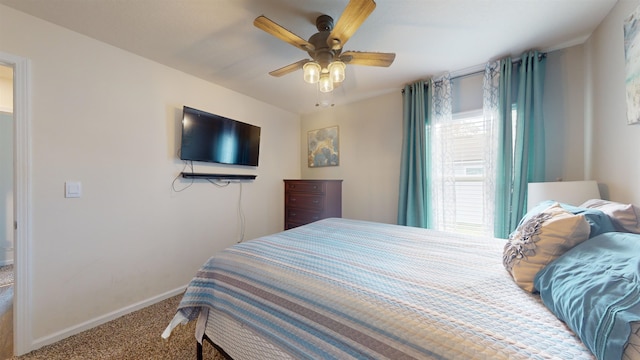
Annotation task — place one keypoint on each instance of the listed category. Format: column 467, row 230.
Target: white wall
column 612, row 144
column 466, row 92
column 111, row 120
column 564, row 113
column 370, row 144
column 6, row 88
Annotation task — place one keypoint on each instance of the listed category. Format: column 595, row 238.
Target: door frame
column 22, row 304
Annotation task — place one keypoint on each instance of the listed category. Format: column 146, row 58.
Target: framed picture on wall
column 632, row 66
column 323, row 149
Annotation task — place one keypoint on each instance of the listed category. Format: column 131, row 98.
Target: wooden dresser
column 306, row 201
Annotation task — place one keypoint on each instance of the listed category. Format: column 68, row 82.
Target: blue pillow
column 599, row 222
column 595, row 289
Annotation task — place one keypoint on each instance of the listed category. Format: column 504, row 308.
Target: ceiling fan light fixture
column 336, row 70
column 311, row 72
column 327, row 66
column 325, row 85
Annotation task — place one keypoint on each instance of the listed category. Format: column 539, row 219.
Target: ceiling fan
column 328, row 60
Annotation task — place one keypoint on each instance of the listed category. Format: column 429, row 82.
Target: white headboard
column 568, row 192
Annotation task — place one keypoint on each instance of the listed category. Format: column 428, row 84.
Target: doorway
column 7, row 207
column 22, row 194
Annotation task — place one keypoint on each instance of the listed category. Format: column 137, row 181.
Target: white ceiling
column 215, row 39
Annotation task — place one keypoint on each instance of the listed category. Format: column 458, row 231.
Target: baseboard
column 63, row 334
column 7, row 254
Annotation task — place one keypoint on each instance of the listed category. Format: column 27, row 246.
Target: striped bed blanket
column 347, row 289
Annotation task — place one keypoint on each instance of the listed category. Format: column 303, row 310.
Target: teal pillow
column 595, row 289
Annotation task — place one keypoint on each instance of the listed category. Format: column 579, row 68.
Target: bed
column 348, row 289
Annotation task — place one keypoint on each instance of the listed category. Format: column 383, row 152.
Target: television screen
column 214, row 138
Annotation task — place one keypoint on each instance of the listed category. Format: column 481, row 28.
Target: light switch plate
column 73, row 189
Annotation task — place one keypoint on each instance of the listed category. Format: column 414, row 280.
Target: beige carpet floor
column 6, row 311
column 131, row 337
column 6, row 275
column 6, row 321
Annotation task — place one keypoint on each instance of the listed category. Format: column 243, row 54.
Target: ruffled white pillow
column 539, row 240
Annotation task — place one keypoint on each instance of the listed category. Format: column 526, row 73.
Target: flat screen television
column 213, row 138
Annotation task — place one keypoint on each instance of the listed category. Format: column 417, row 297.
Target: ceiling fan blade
column 367, row 58
column 289, row 68
column 352, row 17
column 271, row 27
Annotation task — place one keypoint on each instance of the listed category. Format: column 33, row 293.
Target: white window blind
column 466, row 138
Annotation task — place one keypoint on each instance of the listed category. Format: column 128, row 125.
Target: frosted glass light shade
column 311, row 72
column 325, row 84
column 324, row 99
column 336, row 70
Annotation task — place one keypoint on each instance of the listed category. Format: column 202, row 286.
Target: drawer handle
column 293, row 214
column 293, row 199
column 315, row 187
column 316, row 201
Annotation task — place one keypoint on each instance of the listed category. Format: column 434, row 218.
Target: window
column 468, row 205
column 466, row 135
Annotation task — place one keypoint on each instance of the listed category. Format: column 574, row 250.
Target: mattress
column 240, row 342
column 346, row 289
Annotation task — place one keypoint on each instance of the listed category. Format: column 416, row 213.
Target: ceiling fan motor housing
column 324, row 23
column 323, row 53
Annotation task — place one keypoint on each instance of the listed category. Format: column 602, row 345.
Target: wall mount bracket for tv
column 191, row 175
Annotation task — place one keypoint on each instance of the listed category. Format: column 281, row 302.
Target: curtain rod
column 479, row 69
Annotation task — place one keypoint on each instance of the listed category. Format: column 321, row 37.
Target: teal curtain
column 413, row 202
column 528, row 148
column 504, row 162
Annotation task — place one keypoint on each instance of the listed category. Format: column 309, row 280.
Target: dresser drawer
column 304, row 201
column 306, row 187
column 302, row 216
